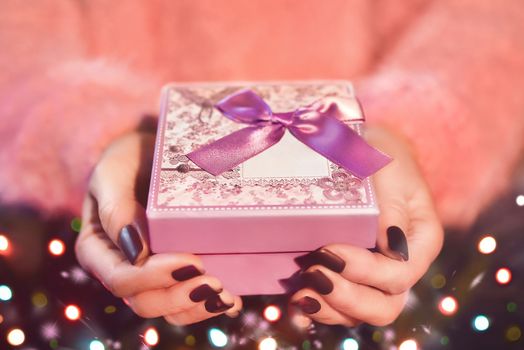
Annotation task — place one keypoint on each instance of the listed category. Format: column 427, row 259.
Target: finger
column 315, row 306
column 112, row 186
column 200, row 312
column 362, row 266
column 182, row 297
column 97, row 254
column 354, row 300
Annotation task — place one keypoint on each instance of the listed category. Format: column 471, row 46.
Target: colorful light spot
column 190, row 340
column 350, row 344
column 4, row 244
column 511, row 306
column 72, row 312
column 448, row 306
column 96, row 345
column 503, row 275
column 481, row 323
column 56, row 247
column 268, row 344
column 520, row 200
column 39, row 299
column 487, row 245
column 438, row 281
column 272, row 313
column 151, row 337
column 444, row 340
column 513, row 333
column 409, row 344
column 5, row 293
column 15, row 337
column 110, row 309
column 76, row 224
column 217, row 338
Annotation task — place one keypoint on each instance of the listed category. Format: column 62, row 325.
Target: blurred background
column 75, row 74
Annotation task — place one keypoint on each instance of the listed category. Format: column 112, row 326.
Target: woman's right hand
column 112, row 244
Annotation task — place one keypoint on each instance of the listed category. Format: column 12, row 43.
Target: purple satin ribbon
column 318, row 125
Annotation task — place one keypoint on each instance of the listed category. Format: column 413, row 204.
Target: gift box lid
column 287, row 198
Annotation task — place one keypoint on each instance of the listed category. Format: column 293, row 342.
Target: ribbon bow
column 317, row 125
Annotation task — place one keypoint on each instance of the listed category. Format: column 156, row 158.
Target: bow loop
column 245, row 106
column 318, row 125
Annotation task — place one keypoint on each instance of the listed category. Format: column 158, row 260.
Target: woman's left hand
column 347, row 285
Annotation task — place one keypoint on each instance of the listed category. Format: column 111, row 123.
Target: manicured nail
column 202, row 292
column 317, row 281
column 322, row 257
column 215, row 304
column 308, row 305
column 186, row 273
column 397, row 242
column 130, row 243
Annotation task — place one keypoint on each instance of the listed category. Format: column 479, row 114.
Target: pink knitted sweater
column 75, row 74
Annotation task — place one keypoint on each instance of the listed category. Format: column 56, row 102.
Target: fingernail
column 397, row 242
column 130, row 243
column 202, row 292
column 317, row 281
column 215, row 304
column 322, row 257
column 186, row 273
column 308, row 305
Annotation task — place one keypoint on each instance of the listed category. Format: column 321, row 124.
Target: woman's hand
column 348, row 285
column 113, row 244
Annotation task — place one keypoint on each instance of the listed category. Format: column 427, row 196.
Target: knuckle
column 116, row 286
column 139, row 309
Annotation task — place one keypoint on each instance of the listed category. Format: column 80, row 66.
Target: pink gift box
column 248, row 223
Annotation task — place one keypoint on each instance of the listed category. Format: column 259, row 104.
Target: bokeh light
column 268, row 344
column 5, row 293
column 39, row 299
column 349, row 344
column 520, row 200
column 72, row 312
column 513, row 333
column 151, row 337
column 217, row 338
column 96, row 345
column 56, row 247
column 409, row 344
column 481, row 323
column 15, row 337
column 272, row 313
column 448, row 306
column 487, row 245
column 511, row 306
column 190, row 340
column 4, row 244
column 438, row 281
column 503, row 275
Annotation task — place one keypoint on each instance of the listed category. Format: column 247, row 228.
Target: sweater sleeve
column 453, row 85
column 55, row 124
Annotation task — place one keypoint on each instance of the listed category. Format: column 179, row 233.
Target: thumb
column 122, row 217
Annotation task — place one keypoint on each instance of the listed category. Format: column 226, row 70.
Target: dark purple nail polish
column 215, row 304
column 202, row 292
column 130, row 243
column 322, row 257
column 397, row 242
column 186, row 273
column 308, row 305
column 318, row 281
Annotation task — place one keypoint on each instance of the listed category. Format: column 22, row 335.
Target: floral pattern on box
column 190, row 121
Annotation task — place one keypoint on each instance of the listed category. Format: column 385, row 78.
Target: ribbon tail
column 340, row 144
column 235, row 148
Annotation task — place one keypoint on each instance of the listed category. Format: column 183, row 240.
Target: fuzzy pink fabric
column 449, row 75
